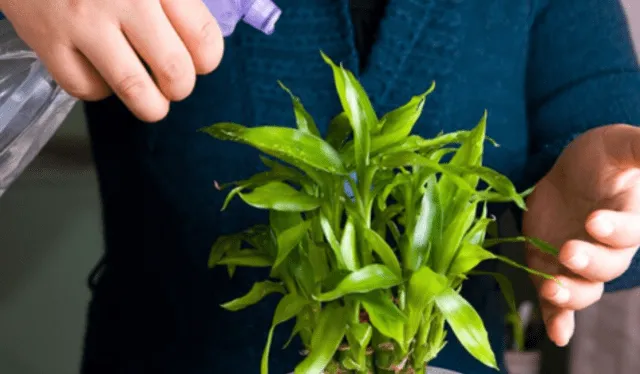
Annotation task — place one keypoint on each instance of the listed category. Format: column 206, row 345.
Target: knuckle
column 172, row 71
column 80, row 9
column 212, row 47
column 177, row 79
column 210, row 33
column 131, row 87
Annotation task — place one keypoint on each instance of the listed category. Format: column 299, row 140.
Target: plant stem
column 402, row 297
column 409, row 216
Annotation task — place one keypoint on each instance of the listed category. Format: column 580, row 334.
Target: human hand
column 93, row 48
column 589, row 207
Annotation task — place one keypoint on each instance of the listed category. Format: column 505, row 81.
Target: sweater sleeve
column 582, row 73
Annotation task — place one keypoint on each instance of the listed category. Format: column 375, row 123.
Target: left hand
column 589, row 207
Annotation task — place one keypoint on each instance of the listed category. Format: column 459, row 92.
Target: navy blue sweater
column 546, row 70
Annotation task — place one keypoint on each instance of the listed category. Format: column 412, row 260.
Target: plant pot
column 433, row 370
column 528, row 362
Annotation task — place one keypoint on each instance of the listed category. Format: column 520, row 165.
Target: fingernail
column 578, row 261
column 602, row 227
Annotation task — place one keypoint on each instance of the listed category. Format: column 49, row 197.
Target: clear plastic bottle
column 32, row 105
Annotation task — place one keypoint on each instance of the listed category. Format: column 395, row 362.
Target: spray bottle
column 33, row 106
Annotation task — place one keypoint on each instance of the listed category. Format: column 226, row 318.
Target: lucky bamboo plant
column 370, row 234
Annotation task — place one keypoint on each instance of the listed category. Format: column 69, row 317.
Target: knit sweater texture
column 546, row 71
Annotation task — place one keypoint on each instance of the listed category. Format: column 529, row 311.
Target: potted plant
column 370, row 234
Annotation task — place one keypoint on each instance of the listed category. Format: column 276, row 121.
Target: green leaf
column 304, row 325
column 495, row 180
column 467, row 326
column 399, row 123
column 469, row 154
column 303, row 272
column 369, row 278
column 408, row 159
column 233, row 193
column 381, row 220
column 248, row 258
column 427, row 231
column 339, row 131
column 453, row 235
column 527, row 192
column 294, row 146
column 358, row 108
column 279, row 171
column 280, row 222
column 398, row 180
column 541, row 274
column 288, row 307
column 475, row 252
column 383, row 250
column 477, row 233
column 507, row 292
column 539, row 244
column 318, row 257
column 439, row 154
column 424, row 286
column 426, row 146
column 360, row 333
column 348, row 246
column 333, row 241
column 304, row 121
column 544, row 246
column 385, row 316
column 396, row 127
column 325, row 341
column 260, row 237
column 289, row 239
column 280, row 196
column 257, row 293
column 469, row 256
column 358, row 337
column 223, row 245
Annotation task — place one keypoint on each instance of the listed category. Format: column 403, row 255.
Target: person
column 559, row 78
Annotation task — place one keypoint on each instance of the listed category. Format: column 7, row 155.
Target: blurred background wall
column 50, row 238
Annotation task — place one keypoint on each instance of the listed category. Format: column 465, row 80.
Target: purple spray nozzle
column 260, row 14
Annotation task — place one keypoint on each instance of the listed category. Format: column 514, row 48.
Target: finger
column 154, row 38
column 199, row 31
column 117, row 62
column 541, row 262
column 572, row 293
column 560, row 324
column 615, row 229
column 75, row 74
column 595, row 262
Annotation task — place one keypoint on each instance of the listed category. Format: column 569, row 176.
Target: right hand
column 95, row 47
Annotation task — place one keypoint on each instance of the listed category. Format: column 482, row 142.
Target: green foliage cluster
column 370, row 278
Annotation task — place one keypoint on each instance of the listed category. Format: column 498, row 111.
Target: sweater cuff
column 630, row 279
